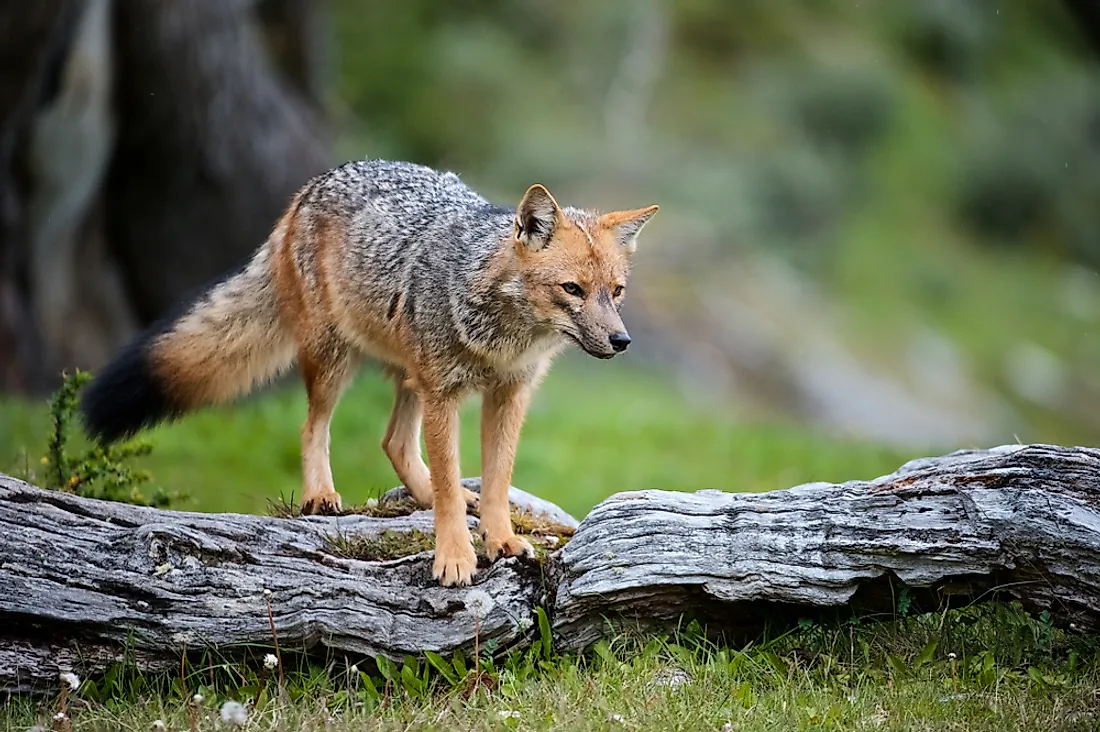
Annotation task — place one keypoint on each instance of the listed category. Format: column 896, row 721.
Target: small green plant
column 99, row 472
column 905, row 600
column 955, row 669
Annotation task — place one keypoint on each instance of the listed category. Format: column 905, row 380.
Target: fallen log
column 1014, row 522
column 83, row 580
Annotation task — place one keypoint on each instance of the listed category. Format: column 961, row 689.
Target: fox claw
column 324, row 504
column 508, row 546
column 455, row 563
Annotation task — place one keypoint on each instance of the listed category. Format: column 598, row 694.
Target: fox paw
column 507, row 545
column 455, row 563
column 324, row 504
column 473, row 500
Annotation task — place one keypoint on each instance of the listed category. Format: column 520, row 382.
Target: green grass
column 901, row 264
column 987, row 668
column 592, row 431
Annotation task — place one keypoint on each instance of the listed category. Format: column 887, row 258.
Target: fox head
column 575, row 266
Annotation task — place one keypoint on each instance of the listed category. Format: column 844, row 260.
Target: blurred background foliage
column 910, row 189
column 878, row 231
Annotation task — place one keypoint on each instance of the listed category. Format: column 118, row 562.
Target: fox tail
column 224, row 344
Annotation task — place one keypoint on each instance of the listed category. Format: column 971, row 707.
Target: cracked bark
column 81, row 579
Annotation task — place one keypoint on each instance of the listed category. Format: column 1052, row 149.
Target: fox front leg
column 455, row 561
column 503, row 409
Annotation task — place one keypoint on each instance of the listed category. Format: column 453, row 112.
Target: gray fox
column 405, row 265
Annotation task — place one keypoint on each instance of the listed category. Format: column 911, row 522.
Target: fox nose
column 619, row 341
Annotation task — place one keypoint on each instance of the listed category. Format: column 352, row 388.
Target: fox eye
column 573, row 289
column 618, row 291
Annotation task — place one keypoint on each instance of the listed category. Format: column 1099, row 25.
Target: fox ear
column 625, row 225
column 536, row 216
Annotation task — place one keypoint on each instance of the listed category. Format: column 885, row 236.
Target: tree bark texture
column 80, row 580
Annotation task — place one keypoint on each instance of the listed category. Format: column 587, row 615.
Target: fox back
column 392, row 260
column 410, row 264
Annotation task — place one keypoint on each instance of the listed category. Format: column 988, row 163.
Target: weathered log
column 77, row 571
column 1013, row 522
column 82, row 579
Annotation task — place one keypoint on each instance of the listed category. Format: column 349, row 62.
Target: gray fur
column 410, row 266
column 422, row 240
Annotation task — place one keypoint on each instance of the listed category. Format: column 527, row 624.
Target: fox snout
column 606, row 347
column 619, row 341
column 600, row 332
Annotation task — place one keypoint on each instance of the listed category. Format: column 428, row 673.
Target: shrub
column 945, row 37
column 98, row 472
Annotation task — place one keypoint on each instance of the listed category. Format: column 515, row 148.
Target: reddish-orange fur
column 560, row 274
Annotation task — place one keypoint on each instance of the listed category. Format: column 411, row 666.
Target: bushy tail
column 224, row 344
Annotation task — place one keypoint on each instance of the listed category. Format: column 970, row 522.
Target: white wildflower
column 354, row 669
column 952, row 656
column 267, row 592
column 509, row 714
column 372, row 503
column 198, row 698
column 71, row 679
column 59, row 717
column 672, row 678
column 879, row 718
column 479, row 602
column 234, row 713
column 270, row 661
column 616, row 718
column 729, row 727
column 525, row 624
column 158, row 724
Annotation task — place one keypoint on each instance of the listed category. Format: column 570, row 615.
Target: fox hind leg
column 326, row 371
column 402, row 445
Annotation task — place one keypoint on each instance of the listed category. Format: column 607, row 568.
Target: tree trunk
column 80, row 580
column 211, row 146
column 145, row 148
column 30, row 34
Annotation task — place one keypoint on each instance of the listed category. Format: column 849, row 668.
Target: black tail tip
column 125, row 397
